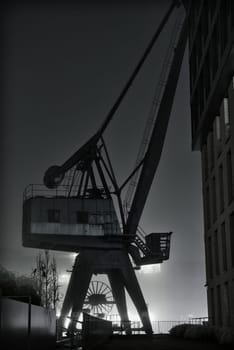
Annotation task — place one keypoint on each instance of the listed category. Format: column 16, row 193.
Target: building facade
column 211, row 59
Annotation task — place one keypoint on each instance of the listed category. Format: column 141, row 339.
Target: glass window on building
column 216, row 251
column 226, row 304
column 207, row 77
column 211, row 149
column 223, row 24
column 215, row 55
column 212, row 306
column 205, row 160
column 207, row 201
column 226, row 116
column 214, row 205
column 218, row 140
column 210, row 257
column 204, row 22
column 224, row 246
column 232, row 12
column 219, row 306
column 231, row 228
column 229, row 176
column 221, row 189
column 212, row 8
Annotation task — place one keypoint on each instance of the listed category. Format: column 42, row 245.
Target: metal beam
column 155, row 147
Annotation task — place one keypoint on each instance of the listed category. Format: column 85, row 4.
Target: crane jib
column 155, row 147
column 56, row 173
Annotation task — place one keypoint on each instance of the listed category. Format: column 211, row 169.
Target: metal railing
column 35, row 190
column 163, row 327
column 40, row 190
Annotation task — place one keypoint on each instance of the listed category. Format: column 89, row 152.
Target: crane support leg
column 117, row 285
column 136, row 295
column 77, row 289
column 117, row 265
column 82, row 276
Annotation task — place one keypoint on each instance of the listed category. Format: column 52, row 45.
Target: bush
column 200, row 332
column 179, row 330
column 224, row 336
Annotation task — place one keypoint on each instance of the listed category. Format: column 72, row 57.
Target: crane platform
column 52, row 220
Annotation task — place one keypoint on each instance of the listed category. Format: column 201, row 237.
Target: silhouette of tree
column 45, row 276
column 18, row 288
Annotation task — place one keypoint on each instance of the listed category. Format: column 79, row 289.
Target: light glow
column 150, row 269
column 64, row 277
column 67, row 322
column 153, row 316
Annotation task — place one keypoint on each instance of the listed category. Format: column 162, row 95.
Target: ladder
column 142, row 246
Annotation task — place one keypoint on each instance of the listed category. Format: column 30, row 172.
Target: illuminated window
column 53, row 215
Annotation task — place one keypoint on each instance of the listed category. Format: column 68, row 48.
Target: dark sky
column 63, row 66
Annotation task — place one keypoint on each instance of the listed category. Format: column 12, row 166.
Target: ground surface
column 159, row 342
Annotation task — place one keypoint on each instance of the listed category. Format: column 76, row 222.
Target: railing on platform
column 163, row 327
column 159, row 326
column 40, row 190
column 93, row 330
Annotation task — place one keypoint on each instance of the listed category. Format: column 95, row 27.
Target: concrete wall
column 25, row 326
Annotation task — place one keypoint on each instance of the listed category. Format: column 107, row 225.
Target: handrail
column 34, row 190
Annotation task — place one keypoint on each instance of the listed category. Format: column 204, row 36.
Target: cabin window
column 108, row 218
column 96, row 219
column 53, row 215
column 82, row 217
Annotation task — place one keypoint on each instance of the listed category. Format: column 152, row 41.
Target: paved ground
column 158, row 342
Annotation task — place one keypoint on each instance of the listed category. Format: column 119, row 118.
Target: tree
column 45, row 276
column 18, row 287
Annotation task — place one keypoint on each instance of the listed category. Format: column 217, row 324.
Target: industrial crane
column 77, row 212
